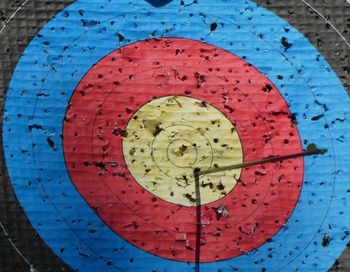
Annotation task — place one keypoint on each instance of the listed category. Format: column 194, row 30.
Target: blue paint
column 73, row 41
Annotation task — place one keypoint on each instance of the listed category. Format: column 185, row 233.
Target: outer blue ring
column 67, row 47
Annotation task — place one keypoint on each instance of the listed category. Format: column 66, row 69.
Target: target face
column 149, row 131
column 114, row 123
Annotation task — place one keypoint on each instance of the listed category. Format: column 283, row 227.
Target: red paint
column 113, row 90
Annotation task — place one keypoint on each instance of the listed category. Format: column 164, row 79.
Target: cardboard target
column 135, row 87
column 44, row 105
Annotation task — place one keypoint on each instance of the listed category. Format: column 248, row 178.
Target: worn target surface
column 113, row 105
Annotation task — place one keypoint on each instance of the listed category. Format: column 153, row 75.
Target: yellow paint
column 171, row 136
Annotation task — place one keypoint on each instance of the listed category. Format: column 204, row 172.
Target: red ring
column 118, row 85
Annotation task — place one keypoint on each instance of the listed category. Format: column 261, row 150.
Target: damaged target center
column 182, row 153
column 171, row 136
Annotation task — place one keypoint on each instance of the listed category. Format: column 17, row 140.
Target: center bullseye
column 182, row 153
column 169, row 137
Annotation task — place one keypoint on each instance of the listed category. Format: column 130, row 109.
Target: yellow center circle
column 169, row 137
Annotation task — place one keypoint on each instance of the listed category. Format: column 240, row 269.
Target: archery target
column 137, row 133
column 45, row 107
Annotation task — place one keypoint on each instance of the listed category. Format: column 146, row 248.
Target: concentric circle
column 124, row 118
column 169, row 137
column 237, row 28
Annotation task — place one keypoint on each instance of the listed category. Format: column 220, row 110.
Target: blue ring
column 69, row 45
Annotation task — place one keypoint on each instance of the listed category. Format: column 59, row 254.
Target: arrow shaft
column 263, row 161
